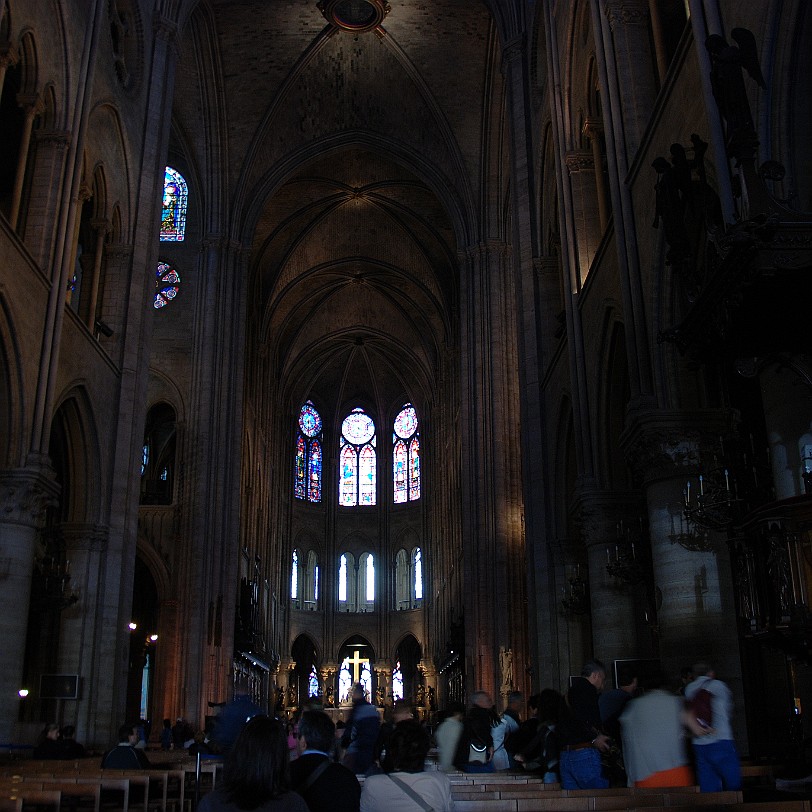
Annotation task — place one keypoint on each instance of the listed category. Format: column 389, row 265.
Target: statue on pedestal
column 506, row 667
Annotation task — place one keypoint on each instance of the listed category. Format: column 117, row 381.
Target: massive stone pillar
column 25, row 493
column 614, row 603
column 696, row 617
column 81, row 623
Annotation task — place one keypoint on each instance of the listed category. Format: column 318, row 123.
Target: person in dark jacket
column 126, row 756
column 475, row 749
column 325, row 785
column 361, row 733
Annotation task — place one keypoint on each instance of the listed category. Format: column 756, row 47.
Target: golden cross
column 356, row 661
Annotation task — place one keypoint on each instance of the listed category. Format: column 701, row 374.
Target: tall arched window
column 397, row 682
column 313, row 683
column 403, row 598
column 417, row 565
column 358, row 460
column 366, row 582
column 294, row 578
column 347, row 592
column 173, row 218
column 406, row 455
column 311, row 581
column 308, row 461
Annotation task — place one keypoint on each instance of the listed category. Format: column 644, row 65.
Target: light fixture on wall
column 623, row 562
column 689, row 536
column 575, row 601
column 52, row 588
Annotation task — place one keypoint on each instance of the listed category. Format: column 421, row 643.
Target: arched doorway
column 141, row 668
column 304, row 679
column 407, row 682
column 355, row 658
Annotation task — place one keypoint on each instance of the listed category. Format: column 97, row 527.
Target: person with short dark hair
column 325, row 785
column 402, row 711
column 48, row 744
column 408, row 786
column 70, row 748
column 579, row 731
column 126, row 756
column 256, row 773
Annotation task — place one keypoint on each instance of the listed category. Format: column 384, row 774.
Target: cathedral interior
column 441, row 345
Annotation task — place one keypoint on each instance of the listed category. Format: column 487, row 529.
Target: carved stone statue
column 670, row 209
column 727, row 81
column 506, row 667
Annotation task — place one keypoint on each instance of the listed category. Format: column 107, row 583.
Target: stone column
column 593, row 130
column 636, row 72
column 33, row 106
column 79, row 628
column 101, row 227
column 585, row 217
column 614, row 619
column 697, row 616
column 25, row 493
column 42, row 209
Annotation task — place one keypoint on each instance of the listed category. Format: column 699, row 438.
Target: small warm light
column 153, row 637
column 23, row 692
column 132, row 625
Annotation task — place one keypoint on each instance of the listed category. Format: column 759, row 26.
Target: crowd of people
column 588, row 738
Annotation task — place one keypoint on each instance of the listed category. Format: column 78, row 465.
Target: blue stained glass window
column 313, row 683
column 294, row 576
column 406, row 456
column 357, row 469
column 307, row 465
column 144, row 459
column 173, row 217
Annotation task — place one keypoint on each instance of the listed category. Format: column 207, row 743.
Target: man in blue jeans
column 579, row 731
column 717, row 762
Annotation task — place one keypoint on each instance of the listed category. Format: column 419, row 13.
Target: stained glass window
column 342, row 579
column 173, row 217
column 366, row 679
column 370, row 578
column 397, row 682
column 308, row 459
column 418, row 574
column 144, row 459
column 344, row 681
column 167, row 285
column 294, row 576
column 357, row 470
column 313, row 682
column 406, row 456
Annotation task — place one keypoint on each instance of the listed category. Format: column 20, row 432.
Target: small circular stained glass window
column 309, row 420
column 358, row 427
column 406, row 422
column 167, row 284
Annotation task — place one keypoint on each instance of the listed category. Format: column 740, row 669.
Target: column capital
column 627, row 13
column 25, row 493
column 84, row 536
column 9, row 55
column 660, row 445
column 579, row 161
column 592, row 127
column 599, row 512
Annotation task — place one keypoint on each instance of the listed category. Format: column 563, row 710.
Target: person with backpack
column 710, row 704
column 504, row 731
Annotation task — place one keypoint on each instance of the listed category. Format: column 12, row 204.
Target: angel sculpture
column 727, row 81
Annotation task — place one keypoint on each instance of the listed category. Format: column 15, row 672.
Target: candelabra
column 52, row 588
column 624, row 564
column 576, row 602
column 689, row 535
